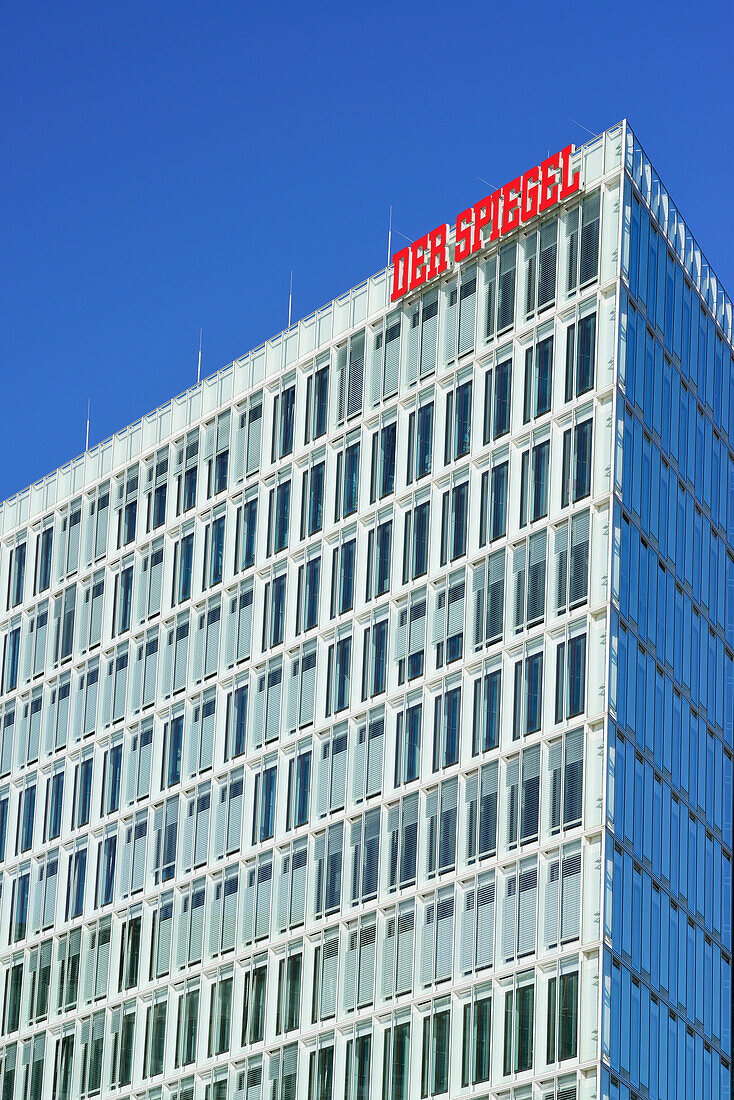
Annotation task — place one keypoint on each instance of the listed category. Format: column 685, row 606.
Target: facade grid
column 366, row 712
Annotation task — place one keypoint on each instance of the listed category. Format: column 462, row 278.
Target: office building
column 366, row 711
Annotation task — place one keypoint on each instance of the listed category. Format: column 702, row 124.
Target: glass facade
column 366, row 711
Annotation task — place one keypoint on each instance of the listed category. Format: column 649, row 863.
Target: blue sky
column 166, row 165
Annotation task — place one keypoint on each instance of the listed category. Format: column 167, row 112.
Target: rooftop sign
column 517, row 203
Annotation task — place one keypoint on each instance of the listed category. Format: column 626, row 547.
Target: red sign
column 517, row 203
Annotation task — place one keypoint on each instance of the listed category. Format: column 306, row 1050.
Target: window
column 187, row 465
column 331, row 772
column 589, row 253
column 374, row 659
column 44, row 548
column 435, row 1052
column 123, row 599
column 187, row 1025
column 253, row 1014
column 408, row 744
column 342, row 577
column 284, row 405
column 358, row 1068
column 415, row 541
column 493, row 507
column 528, row 696
column 347, row 481
column 71, row 527
column 220, row 1015
column 217, row 447
column 529, row 581
column 263, row 814
column 518, row 1025
column 454, row 522
column 127, row 510
column 99, row 510
column 183, row 559
column 150, row 583
column 213, row 552
column 497, row 393
column 52, row 813
column 475, row 1041
column 571, row 563
column 274, row 611
column 111, row 773
column 327, row 880
column 576, row 472
column 76, row 883
column 506, row 295
column 562, row 1016
column 570, row 677
column 486, row 714
column 320, row 1073
column 235, row 735
column 488, row 600
column 172, row 752
column 385, row 357
column 565, row 779
column 457, row 440
column 410, row 637
column 534, row 483
column 420, row 442
column 563, row 896
column 364, row 857
column 446, row 728
column 396, row 1060
column 278, row 517
column 155, row 1037
column 350, row 378
column 338, row 675
column 244, row 553
column 312, row 500
column 580, row 357
column 253, row 420
column 288, row 1005
column 547, row 265
column 26, row 818
column 157, row 491
column 82, row 793
column 480, row 794
column 382, row 469
column 307, row 605
column 379, row 553
column 299, row 788
column 317, row 400
column 16, row 575
column 538, row 379
column 448, row 622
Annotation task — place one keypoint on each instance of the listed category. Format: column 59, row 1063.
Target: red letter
column 400, row 272
column 529, row 207
column 463, row 235
column 568, row 187
column 510, row 211
column 437, row 240
column 549, row 184
column 485, row 212
column 418, row 261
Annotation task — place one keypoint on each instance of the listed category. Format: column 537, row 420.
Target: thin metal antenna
column 490, row 185
column 86, row 445
column 198, row 369
column 576, row 123
column 290, row 300
column 389, row 238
